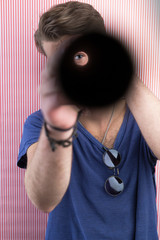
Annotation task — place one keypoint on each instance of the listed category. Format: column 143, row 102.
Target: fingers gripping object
column 102, row 77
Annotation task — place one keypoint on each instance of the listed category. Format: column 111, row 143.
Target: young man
column 88, row 198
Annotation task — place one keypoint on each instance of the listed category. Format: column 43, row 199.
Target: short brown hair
column 70, row 18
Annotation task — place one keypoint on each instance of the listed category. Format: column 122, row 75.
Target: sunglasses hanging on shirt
column 111, row 158
column 114, row 184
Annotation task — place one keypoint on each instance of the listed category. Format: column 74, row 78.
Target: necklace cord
column 105, row 134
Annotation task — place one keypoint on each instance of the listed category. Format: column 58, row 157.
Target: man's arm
column 145, row 107
column 48, row 173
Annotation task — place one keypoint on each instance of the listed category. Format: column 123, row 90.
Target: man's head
column 67, row 19
column 92, row 59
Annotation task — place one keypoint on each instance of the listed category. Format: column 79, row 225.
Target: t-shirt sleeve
column 145, row 147
column 151, row 156
column 31, row 132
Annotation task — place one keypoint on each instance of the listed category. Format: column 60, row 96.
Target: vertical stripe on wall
column 134, row 22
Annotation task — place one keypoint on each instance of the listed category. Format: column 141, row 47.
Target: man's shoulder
column 36, row 115
column 35, row 119
column 31, row 132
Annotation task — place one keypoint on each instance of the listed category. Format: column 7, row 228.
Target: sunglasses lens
column 114, row 185
column 111, row 158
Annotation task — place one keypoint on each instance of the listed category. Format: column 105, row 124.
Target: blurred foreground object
column 103, row 74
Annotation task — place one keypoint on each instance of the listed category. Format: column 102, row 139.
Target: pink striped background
column 135, row 22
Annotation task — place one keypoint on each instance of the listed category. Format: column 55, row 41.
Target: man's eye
column 78, row 56
column 81, row 58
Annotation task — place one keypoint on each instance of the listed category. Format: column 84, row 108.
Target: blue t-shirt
column 86, row 211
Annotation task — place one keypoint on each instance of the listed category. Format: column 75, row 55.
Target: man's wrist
column 54, row 142
column 56, row 134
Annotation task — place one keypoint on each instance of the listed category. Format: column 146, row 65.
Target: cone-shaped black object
column 106, row 76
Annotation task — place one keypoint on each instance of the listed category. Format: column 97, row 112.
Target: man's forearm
column 145, row 107
column 48, row 174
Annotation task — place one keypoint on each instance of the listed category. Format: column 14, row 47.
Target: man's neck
column 101, row 116
column 96, row 122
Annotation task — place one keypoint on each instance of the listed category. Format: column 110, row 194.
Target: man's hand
column 56, row 107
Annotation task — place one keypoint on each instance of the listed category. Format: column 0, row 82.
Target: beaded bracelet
column 64, row 143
